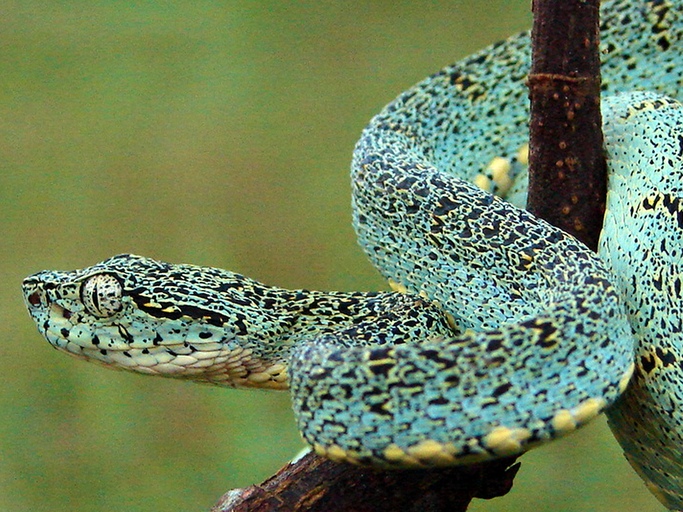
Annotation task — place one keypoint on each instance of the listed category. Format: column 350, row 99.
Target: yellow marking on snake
column 506, row 441
column 563, row 422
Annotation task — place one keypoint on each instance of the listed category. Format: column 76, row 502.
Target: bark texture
column 567, row 173
column 314, row 484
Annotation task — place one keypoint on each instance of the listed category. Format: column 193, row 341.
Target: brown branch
column 567, row 188
column 567, row 173
column 313, row 484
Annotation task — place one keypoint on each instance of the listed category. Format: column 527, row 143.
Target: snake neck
column 263, row 324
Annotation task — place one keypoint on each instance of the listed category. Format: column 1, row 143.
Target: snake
column 501, row 332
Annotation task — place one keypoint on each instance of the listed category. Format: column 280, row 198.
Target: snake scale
column 503, row 332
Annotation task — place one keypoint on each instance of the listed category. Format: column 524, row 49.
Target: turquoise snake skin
column 503, row 332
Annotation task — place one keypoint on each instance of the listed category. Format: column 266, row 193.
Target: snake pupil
column 95, row 298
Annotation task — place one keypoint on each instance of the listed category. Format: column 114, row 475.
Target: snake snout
column 41, row 299
column 34, row 293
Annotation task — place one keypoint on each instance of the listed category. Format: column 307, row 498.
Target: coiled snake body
column 504, row 333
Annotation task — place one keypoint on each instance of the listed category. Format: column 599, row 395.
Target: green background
column 216, row 133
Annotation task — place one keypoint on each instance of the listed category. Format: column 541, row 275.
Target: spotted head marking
column 135, row 313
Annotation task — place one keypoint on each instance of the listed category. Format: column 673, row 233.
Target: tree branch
column 314, row 484
column 567, row 172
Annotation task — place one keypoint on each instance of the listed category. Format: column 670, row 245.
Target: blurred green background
column 216, row 133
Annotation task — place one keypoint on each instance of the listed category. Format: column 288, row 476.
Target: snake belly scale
column 503, row 332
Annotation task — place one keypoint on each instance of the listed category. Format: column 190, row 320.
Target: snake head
column 135, row 313
column 73, row 309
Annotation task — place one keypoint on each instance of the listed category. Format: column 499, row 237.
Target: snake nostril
column 34, row 299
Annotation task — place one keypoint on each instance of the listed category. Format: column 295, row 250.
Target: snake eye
column 101, row 295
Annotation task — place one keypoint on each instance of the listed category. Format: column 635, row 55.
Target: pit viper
column 502, row 333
